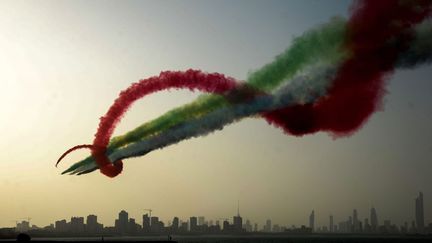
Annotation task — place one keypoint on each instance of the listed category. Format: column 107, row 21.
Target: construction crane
column 149, row 210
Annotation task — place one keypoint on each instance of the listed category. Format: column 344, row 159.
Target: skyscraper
column 374, row 220
column 61, row 226
column 419, row 213
column 122, row 222
column 350, row 224
column 175, row 224
column 77, row 224
column 155, row 224
column 237, row 220
column 201, row 220
column 312, row 221
column 355, row 221
column 193, row 224
column 366, row 226
column 248, row 226
column 146, row 223
column 132, row 227
column 238, row 223
column 267, row 226
column 331, row 223
column 92, row 225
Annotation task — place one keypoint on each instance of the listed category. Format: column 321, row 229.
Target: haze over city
column 64, row 62
column 150, row 224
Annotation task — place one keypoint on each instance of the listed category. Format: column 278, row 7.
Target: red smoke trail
column 356, row 91
column 89, row 146
column 358, row 87
column 191, row 79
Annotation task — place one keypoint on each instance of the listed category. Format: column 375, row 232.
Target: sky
column 64, row 62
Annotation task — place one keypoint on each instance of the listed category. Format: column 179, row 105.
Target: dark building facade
column 419, row 213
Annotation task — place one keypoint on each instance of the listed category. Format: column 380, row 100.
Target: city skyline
column 127, row 224
column 64, row 62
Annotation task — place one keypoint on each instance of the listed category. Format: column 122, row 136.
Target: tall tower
column 312, row 221
column 146, row 223
column 374, row 220
column 419, row 213
column 268, row 226
column 175, row 224
column 331, row 224
column 355, row 221
column 237, row 220
column 123, row 220
column 193, row 224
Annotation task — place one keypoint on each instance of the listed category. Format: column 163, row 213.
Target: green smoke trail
column 420, row 52
column 323, row 43
column 313, row 46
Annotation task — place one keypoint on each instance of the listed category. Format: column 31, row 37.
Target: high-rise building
column 201, row 220
column 366, row 227
column 183, row 227
column 77, row 224
column 61, row 226
column 312, row 221
column 193, row 224
column 24, row 226
column 374, row 220
column 350, row 224
column 331, row 223
column 155, row 224
column 268, row 226
column 92, row 225
column 387, row 224
column 238, row 222
column 276, row 228
column 132, row 227
column 226, row 225
column 122, row 222
column 146, row 223
column 356, row 223
column 248, row 226
column 175, row 224
column 419, row 213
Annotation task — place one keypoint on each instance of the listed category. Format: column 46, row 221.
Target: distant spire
column 238, row 208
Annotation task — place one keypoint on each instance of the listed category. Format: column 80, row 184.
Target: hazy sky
column 62, row 64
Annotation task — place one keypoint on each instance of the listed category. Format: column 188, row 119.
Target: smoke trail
column 304, row 89
column 191, row 79
column 295, row 116
column 319, row 44
column 358, row 88
column 419, row 52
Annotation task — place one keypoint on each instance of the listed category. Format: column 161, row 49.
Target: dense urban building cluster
column 354, row 224
column 125, row 225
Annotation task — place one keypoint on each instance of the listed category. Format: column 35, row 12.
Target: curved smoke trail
column 191, row 79
column 357, row 57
